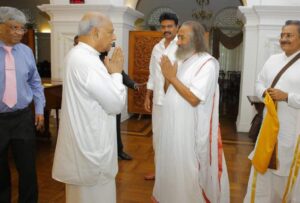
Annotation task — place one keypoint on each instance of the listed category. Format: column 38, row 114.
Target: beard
column 184, row 52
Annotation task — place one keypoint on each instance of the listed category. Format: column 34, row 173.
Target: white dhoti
column 273, row 188
column 269, row 187
column 156, row 127
column 99, row 193
column 156, row 123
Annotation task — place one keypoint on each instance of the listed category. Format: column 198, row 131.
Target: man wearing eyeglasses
column 282, row 184
column 20, row 83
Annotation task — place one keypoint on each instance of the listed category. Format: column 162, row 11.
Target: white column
column 263, row 20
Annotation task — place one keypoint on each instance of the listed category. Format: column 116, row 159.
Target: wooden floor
column 137, row 139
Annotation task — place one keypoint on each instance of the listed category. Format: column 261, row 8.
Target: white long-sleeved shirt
column 288, row 112
column 86, row 145
column 156, row 79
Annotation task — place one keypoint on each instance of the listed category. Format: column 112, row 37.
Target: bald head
column 96, row 30
column 91, row 20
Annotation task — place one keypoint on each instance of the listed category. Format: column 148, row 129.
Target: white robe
column 86, row 152
column 156, row 83
column 271, row 185
column 183, row 169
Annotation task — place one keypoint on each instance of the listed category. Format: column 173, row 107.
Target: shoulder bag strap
column 284, row 69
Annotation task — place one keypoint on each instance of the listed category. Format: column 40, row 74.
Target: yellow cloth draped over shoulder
column 267, row 138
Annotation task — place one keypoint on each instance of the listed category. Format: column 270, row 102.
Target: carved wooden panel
column 141, row 44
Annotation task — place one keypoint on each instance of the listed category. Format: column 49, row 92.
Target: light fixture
column 44, row 28
column 202, row 13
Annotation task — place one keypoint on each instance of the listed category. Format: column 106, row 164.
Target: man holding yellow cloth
column 282, row 121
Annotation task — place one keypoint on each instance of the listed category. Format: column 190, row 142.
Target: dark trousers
column 119, row 140
column 17, row 132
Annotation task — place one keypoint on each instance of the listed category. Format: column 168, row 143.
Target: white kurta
column 156, row 79
column 184, row 148
column 156, row 83
column 270, row 186
column 86, row 152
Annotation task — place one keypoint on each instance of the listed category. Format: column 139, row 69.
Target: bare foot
column 150, row 176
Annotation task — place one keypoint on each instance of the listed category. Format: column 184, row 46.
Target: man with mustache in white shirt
column 155, row 85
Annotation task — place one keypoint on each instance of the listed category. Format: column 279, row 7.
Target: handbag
column 255, row 126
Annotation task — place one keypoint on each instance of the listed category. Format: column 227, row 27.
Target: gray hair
column 10, row 13
column 86, row 25
column 197, row 36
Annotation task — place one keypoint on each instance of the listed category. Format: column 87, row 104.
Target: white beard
column 183, row 53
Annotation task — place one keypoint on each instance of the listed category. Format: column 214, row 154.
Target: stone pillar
column 64, row 18
column 263, row 20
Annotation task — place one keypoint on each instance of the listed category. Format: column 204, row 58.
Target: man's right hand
column 115, row 64
column 277, row 94
column 147, row 102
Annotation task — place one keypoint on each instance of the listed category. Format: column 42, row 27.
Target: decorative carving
column 227, row 21
column 202, row 13
column 141, row 44
column 143, row 49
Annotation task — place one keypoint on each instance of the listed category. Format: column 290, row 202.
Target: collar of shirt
column 88, row 48
column 292, row 56
column 2, row 45
column 162, row 42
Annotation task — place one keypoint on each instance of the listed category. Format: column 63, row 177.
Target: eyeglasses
column 18, row 29
column 286, row 35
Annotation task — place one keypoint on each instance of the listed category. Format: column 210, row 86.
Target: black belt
column 15, row 113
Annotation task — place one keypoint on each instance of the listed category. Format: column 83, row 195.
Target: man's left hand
column 168, row 70
column 277, row 94
column 39, row 122
column 115, row 64
column 137, row 86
